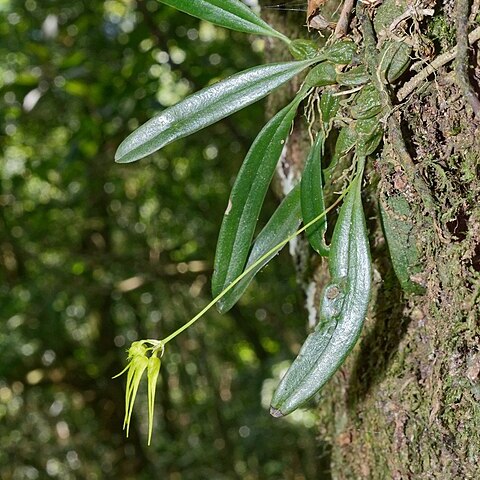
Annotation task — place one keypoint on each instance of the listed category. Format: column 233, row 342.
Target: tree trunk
column 406, row 402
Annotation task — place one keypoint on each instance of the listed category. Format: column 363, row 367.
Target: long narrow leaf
column 313, row 202
column 231, row 14
column 343, row 310
column 206, row 107
column 283, row 223
column 247, row 197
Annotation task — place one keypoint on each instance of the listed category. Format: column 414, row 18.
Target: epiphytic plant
column 347, row 90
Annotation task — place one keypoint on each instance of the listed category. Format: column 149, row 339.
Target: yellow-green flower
column 153, row 370
column 138, row 362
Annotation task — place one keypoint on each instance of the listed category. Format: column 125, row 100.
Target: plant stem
column 461, row 61
column 441, row 60
column 254, row 265
column 342, row 25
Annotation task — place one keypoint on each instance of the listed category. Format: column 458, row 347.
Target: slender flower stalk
column 141, row 358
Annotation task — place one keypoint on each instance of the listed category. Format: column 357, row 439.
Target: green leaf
column 231, row 14
column 354, row 77
column 206, row 107
column 313, row 203
column 302, row 49
column 387, row 13
column 247, row 197
column 329, row 105
column 401, row 234
column 342, row 312
column 367, row 103
column 345, row 143
column 283, row 223
column 321, row 75
column 395, row 59
column 369, row 135
column 341, row 52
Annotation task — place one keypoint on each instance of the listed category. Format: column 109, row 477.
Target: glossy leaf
column 231, row 14
column 247, row 198
column 342, row 312
column 313, row 202
column 283, row 223
column 206, row 107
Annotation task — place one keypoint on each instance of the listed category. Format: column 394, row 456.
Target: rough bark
column 406, row 403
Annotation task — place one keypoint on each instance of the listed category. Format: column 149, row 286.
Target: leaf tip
column 276, row 413
column 128, row 151
column 121, row 156
column 222, row 307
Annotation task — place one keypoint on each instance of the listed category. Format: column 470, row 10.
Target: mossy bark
column 406, row 404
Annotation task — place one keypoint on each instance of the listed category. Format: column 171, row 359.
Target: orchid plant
column 339, row 81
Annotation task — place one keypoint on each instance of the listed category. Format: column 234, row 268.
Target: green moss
column 441, row 30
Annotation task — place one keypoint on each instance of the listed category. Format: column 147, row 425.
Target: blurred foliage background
column 95, row 255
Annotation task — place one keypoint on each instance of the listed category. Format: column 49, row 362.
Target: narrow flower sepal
column 153, row 370
column 138, row 362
